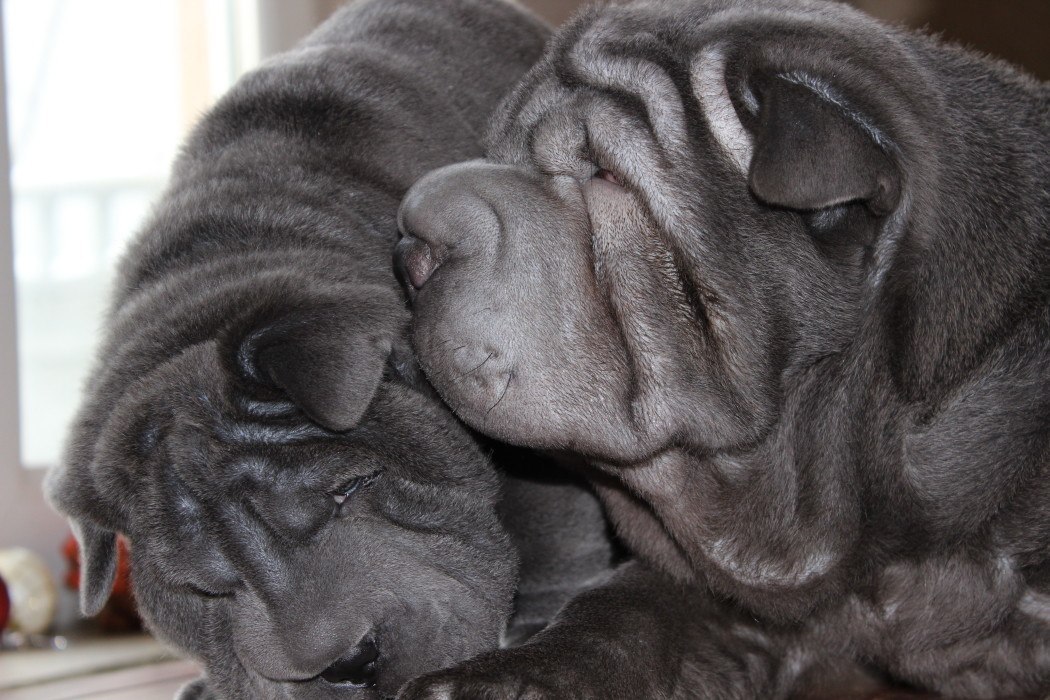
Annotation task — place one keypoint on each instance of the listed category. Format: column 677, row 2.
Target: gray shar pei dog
column 779, row 274
column 305, row 519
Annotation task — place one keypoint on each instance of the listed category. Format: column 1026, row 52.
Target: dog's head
column 682, row 205
column 302, row 519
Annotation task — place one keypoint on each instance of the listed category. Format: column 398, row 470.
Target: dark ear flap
column 330, row 364
column 98, row 564
column 810, row 154
column 70, row 490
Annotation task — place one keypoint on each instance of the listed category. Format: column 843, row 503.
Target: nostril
column 416, row 260
column 357, row 667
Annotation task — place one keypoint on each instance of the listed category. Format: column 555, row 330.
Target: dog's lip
column 253, row 670
column 358, row 692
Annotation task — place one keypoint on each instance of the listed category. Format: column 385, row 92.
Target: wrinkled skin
column 777, row 272
column 306, row 519
column 259, row 566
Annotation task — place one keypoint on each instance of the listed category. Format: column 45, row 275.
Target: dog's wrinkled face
column 298, row 562
column 629, row 269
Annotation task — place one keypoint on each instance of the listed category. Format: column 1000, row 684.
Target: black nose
column 357, row 667
column 416, row 260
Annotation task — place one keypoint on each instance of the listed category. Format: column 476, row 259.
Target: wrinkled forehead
column 218, row 449
column 579, row 63
column 661, row 62
column 609, row 53
column 403, row 433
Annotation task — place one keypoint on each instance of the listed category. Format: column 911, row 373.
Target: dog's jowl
column 780, row 274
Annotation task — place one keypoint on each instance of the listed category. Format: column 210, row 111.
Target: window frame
column 25, row 518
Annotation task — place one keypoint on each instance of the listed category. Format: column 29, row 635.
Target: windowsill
column 110, row 668
column 36, row 466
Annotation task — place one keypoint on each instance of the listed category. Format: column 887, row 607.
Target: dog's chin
column 510, row 408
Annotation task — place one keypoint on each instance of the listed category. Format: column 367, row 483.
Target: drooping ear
column 98, row 564
column 70, row 490
column 811, row 153
column 329, row 361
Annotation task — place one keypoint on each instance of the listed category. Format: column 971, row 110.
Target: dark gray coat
column 305, row 518
column 780, row 274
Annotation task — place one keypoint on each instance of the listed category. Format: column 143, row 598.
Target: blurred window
column 99, row 95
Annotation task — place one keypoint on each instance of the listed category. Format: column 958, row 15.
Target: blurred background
column 95, row 96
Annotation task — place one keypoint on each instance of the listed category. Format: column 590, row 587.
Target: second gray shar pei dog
column 305, row 519
column 779, row 275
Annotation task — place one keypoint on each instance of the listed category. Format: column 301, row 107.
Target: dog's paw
column 513, row 674
column 444, row 687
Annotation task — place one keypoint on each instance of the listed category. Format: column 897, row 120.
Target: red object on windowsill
column 119, row 614
column 5, row 605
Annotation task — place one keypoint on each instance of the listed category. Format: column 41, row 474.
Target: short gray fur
column 780, row 274
column 292, row 490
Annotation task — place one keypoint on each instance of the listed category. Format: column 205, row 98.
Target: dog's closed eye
column 607, row 175
column 343, row 493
